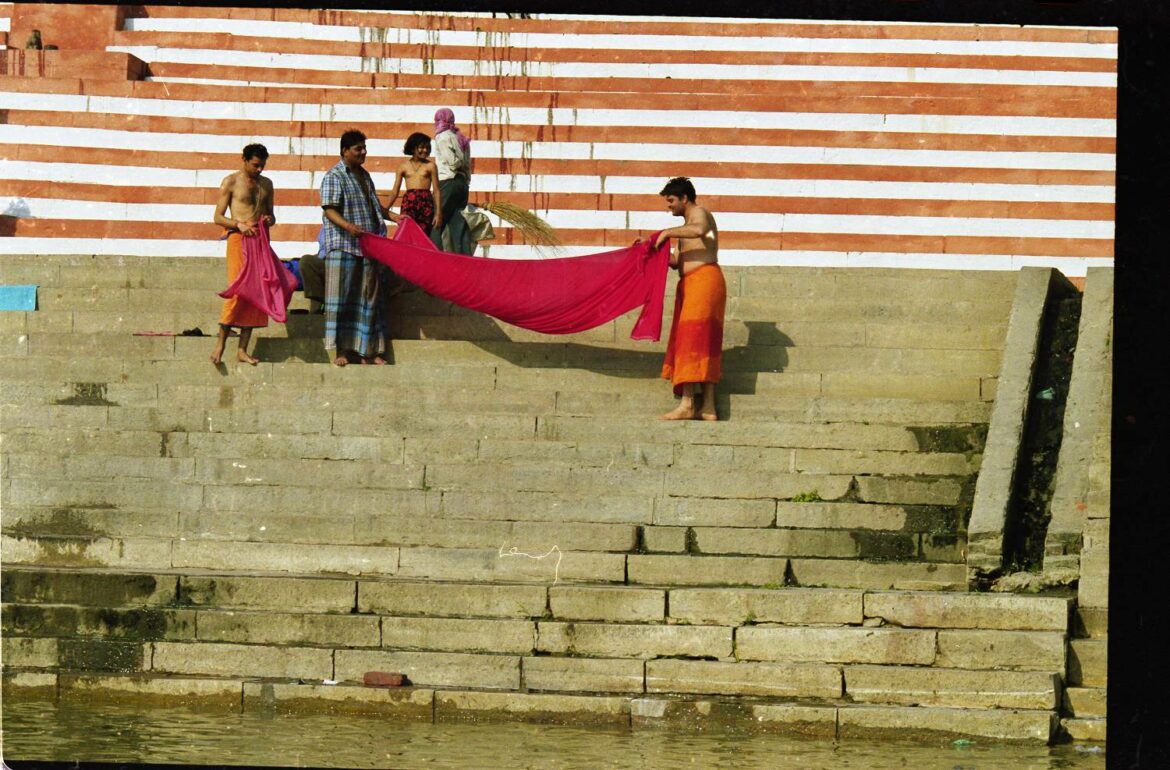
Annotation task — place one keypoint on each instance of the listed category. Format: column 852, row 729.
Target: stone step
column 454, row 323
column 1088, row 730
column 1085, row 702
column 502, row 353
column 1088, row 663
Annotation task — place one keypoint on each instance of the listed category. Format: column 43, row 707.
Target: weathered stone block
column 547, row 506
column 908, row 722
column 840, row 516
column 843, row 573
column 1016, row 650
column 139, row 553
column 507, row 565
column 29, row 653
column 286, row 557
column 886, row 646
column 267, row 593
column 665, row 539
column 736, row 606
column 764, row 679
column 242, row 660
column 87, row 588
column 927, row 609
column 129, row 623
column 776, row 542
column 530, row 707
column 584, row 674
column 612, row 604
column 628, row 641
column 706, row 570
column 811, row 721
column 952, row 688
column 452, row 599
column 407, row 703
column 458, row 634
column 438, row 669
column 1085, row 702
column 937, row 491
column 288, row 629
column 689, row 511
column 1085, row 729
column 684, row 482
column 144, row 688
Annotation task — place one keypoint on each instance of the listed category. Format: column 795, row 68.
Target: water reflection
column 72, row 731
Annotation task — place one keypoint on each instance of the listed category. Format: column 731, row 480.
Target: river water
column 36, row 730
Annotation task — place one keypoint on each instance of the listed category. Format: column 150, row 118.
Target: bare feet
column 217, row 356
column 341, row 360
column 681, row 412
column 378, row 360
column 244, row 358
column 710, row 416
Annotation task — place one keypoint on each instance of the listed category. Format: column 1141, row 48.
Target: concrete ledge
column 929, row 723
column 985, row 532
column 528, row 707
column 793, row 719
column 173, row 691
column 1084, row 415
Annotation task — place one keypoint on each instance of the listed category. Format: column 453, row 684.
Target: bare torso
column 694, row 252
column 245, row 198
column 417, row 175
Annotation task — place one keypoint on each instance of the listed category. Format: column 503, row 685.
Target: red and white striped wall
column 814, row 143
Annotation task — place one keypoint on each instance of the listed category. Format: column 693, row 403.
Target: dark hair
column 350, row 138
column 678, row 187
column 414, row 141
column 255, row 151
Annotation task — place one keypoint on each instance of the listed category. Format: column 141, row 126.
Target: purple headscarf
column 445, row 121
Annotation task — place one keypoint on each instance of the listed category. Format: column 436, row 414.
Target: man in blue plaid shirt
column 354, row 296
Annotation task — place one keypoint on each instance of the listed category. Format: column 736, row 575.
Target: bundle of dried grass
column 534, row 230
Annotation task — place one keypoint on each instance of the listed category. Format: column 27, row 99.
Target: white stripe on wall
column 115, row 176
column 622, row 38
column 410, row 64
column 423, row 115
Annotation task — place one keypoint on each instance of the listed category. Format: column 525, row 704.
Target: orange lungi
column 238, row 312
column 695, row 350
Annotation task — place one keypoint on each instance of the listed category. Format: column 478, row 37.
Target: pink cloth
column 553, row 296
column 445, row 121
column 264, row 282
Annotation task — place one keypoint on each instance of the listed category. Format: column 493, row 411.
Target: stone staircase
column 501, row 517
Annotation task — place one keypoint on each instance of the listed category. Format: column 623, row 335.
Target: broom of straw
column 534, row 230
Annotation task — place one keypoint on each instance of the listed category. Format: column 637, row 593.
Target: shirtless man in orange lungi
column 247, row 196
column 695, row 350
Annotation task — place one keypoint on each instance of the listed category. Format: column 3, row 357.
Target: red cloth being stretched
column 264, row 281
column 553, row 296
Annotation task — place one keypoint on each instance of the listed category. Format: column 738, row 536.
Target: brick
column 1014, row 650
column 763, row 679
column 706, row 570
column 452, row 599
column 437, row 669
column 531, row 707
column 458, row 635
column 632, row 641
column 952, row 688
column 611, row 604
column 977, row 611
column 796, row 606
column 242, row 660
column 584, row 674
column 835, row 645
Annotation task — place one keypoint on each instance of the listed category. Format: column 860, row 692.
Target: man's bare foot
column 244, row 358
column 217, row 356
column 681, row 412
column 341, row 360
column 708, row 416
column 378, row 360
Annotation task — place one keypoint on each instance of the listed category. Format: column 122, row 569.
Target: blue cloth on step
column 18, row 297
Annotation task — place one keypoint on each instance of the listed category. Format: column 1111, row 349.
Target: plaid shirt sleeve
column 331, row 192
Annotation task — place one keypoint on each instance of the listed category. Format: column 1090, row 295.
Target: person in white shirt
column 453, row 159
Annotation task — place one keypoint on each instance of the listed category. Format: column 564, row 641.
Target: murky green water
column 48, row 731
